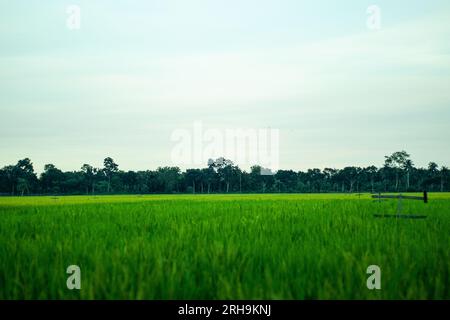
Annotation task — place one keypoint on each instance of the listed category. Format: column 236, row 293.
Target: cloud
column 373, row 85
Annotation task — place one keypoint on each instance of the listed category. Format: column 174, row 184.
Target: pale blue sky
column 339, row 93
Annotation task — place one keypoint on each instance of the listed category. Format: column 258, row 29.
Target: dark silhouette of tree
column 370, row 173
column 89, row 174
column 398, row 162
column 409, row 167
column 168, row 178
column 193, row 178
column 21, row 177
column 221, row 175
column 444, row 177
column 110, row 168
column 224, row 169
column 209, row 177
column 52, row 179
column 433, row 176
column 9, row 180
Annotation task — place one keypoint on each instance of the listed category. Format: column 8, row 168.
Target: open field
column 223, row 247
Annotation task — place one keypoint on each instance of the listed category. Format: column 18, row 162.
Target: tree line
column 398, row 174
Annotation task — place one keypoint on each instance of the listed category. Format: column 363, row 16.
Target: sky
column 338, row 91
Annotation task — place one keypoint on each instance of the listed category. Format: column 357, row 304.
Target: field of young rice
column 223, row 247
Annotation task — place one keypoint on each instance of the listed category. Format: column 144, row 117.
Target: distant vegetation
column 221, row 176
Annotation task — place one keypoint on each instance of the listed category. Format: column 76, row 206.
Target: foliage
column 222, row 176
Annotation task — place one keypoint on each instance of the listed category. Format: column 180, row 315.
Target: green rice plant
column 270, row 246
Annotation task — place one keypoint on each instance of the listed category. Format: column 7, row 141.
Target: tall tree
column 409, row 167
column 129, row 181
column 371, row 173
column 209, row 177
column 351, row 174
column 169, row 177
column 110, row 168
column 193, row 178
column 256, row 181
column 444, row 176
column 225, row 171
column 89, row 174
column 433, row 175
column 24, row 176
column 329, row 175
column 397, row 161
column 10, row 174
column 52, row 179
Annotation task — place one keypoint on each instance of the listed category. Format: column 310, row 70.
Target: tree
column 89, row 174
column 444, row 176
column 110, row 168
column 51, row 179
column 350, row 174
column 433, row 168
column 224, row 169
column 168, row 178
column 314, row 178
column 256, row 181
column 286, row 180
column 10, row 178
column 329, row 175
column 193, row 178
column 22, row 186
column 222, row 175
column 397, row 162
column 209, row 176
column 408, row 166
column 3, row 182
column 371, row 172
column 25, row 166
column 23, row 176
column 129, row 181
column 433, row 171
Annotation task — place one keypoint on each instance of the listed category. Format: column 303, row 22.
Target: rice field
column 314, row 246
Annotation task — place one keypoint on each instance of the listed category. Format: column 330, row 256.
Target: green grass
column 222, row 247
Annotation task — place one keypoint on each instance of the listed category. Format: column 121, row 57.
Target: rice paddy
column 272, row 246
